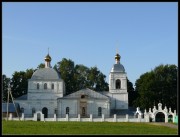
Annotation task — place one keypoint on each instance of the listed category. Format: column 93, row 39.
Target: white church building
column 46, row 93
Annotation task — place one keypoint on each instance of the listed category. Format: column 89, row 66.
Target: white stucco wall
column 41, row 93
column 74, row 107
column 38, row 105
column 113, row 76
column 119, row 97
column 62, row 104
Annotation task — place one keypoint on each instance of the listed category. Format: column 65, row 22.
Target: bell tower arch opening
column 118, row 84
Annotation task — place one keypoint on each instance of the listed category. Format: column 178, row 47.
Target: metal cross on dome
column 117, row 51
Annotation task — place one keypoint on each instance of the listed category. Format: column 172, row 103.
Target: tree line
column 158, row 85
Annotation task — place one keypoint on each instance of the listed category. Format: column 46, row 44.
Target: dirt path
column 165, row 124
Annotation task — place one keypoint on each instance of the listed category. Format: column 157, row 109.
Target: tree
column 96, row 80
column 19, row 82
column 42, row 65
column 144, row 88
column 66, row 69
column 158, row 85
column 5, row 88
column 55, row 67
column 132, row 95
column 77, row 77
column 166, row 84
column 80, row 77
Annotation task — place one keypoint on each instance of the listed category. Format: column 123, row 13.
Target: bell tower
column 117, row 77
column 118, row 85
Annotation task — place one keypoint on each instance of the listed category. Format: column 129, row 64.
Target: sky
column 145, row 34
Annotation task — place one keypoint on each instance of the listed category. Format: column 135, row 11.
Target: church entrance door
column 83, row 109
column 83, row 105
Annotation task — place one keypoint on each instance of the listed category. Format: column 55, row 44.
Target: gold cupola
column 47, row 58
column 117, row 58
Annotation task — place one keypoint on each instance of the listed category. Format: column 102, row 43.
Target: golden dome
column 48, row 58
column 117, row 57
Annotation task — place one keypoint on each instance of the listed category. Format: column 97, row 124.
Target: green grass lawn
column 50, row 128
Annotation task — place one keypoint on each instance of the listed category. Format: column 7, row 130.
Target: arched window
column 45, row 86
column 37, row 85
column 67, row 110
column 99, row 111
column 45, row 112
column 82, row 96
column 52, row 86
column 33, row 111
column 118, row 84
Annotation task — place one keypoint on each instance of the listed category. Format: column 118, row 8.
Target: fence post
column 67, row 117
column 173, row 118
column 35, row 117
column 114, row 118
column 102, row 118
column 166, row 118
column 42, row 117
column 127, row 117
column 10, row 116
column 90, row 119
column 79, row 117
column 22, row 116
column 55, row 117
column 139, row 118
column 147, row 117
